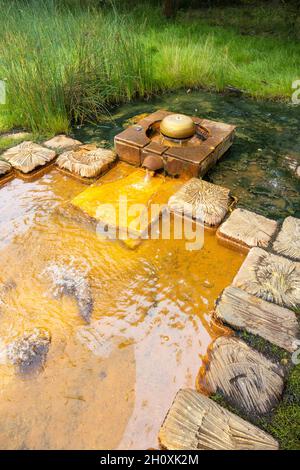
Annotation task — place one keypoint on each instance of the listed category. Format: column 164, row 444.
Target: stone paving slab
column 62, row 142
column 28, row 156
column 86, row 164
column 248, row 380
column 195, row 422
column 244, row 311
column 270, row 277
column 287, row 242
column 247, row 228
column 202, row 201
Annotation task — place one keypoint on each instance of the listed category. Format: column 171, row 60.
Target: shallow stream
column 108, row 383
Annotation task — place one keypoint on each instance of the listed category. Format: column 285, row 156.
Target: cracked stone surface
column 5, row 167
column 86, row 164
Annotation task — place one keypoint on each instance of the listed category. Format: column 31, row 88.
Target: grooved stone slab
column 201, row 200
column 287, row 242
column 246, row 378
column 86, row 164
column 195, row 422
column 62, row 142
column 270, row 277
column 247, row 228
column 28, row 156
column 244, row 311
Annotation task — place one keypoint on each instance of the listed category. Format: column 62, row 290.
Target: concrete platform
column 135, row 143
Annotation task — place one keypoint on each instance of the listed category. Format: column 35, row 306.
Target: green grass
column 7, row 141
column 68, row 64
column 284, row 424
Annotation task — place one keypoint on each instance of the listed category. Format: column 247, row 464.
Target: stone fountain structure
column 179, row 144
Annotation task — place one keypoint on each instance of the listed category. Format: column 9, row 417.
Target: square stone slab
column 202, row 201
column 62, row 142
column 270, row 277
column 247, row 228
column 28, row 156
column 287, row 242
column 247, row 379
column 86, row 163
column 244, row 311
column 195, row 422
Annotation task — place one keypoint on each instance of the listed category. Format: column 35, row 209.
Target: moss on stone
column 270, row 350
column 285, row 426
column 292, row 391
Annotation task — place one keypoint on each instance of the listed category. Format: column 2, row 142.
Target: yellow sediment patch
column 127, row 204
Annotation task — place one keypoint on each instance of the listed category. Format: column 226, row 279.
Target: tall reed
column 65, row 62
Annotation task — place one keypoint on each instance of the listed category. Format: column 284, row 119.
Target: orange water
column 108, row 384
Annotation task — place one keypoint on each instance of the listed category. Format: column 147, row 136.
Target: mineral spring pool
column 256, row 168
column 108, row 384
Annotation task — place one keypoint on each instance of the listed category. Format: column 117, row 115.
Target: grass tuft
column 67, row 62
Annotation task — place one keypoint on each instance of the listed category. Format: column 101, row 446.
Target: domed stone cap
column 28, row 156
column 86, row 164
column 5, row 167
column 177, row 126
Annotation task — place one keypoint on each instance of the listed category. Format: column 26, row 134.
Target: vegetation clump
column 67, row 62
